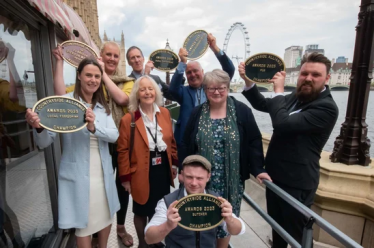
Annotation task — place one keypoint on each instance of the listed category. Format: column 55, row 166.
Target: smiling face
column 216, row 93
column 146, row 93
column 311, row 81
column 90, row 78
column 195, row 179
column 136, row 60
column 194, row 74
column 110, row 56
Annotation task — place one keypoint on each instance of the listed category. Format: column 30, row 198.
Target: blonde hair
column 133, row 98
column 216, row 76
column 110, row 43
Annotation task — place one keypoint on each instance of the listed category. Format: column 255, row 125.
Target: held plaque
column 61, row 114
column 164, row 60
column 74, row 52
column 261, row 67
column 196, row 44
column 199, row 212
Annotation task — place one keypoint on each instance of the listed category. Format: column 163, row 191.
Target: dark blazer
column 185, row 95
column 298, row 139
column 251, row 151
column 164, row 86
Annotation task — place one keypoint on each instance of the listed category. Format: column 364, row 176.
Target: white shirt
column 160, row 216
column 161, row 145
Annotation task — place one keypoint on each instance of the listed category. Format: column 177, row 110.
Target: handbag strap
column 132, row 130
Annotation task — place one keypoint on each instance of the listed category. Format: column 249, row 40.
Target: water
column 341, row 99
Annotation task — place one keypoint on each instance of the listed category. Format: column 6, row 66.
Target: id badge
column 156, row 160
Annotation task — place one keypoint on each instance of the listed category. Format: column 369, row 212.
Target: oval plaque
column 261, row 67
column 61, row 114
column 196, row 44
column 74, row 52
column 164, row 60
column 199, row 212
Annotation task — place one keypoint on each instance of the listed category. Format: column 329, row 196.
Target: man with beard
column 302, row 122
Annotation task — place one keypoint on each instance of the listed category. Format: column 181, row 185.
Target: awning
column 83, row 34
column 55, row 11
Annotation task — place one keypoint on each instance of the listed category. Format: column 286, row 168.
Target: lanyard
column 154, row 137
column 198, row 95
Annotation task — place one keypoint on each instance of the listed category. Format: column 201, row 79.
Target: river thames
column 341, row 99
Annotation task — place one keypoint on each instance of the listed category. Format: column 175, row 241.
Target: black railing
column 308, row 213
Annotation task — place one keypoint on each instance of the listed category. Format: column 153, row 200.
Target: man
column 193, row 95
column 164, row 224
column 302, row 122
column 135, row 59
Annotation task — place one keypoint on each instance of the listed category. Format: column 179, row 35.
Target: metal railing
column 308, row 213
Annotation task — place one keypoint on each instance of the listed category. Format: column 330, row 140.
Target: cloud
column 272, row 25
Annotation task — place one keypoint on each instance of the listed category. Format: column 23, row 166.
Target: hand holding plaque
column 261, row 67
column 73, row 52
column 59, row 114
column 163, row 60
column 196, row 44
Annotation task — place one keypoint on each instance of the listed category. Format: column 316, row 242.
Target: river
column 341, row 99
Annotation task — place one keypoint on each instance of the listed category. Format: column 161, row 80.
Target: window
column 25, row 209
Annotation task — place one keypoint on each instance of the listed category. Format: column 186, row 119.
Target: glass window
column 25, row 209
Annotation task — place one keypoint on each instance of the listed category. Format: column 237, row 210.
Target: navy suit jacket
column 185, row 95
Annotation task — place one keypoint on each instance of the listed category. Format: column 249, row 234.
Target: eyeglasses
column 220, row 89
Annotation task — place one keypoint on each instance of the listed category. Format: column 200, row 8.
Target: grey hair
column 216, row 76
column 195, row 62
column 133, row 98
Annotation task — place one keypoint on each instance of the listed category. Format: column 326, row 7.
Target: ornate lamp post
column 167, row 102
column 352, row 145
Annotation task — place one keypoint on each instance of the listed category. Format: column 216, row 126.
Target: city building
column 313, row 48
column 87, row 10
column 292, row 56
column 291, row 75
column 340, row 72
column 121, row 43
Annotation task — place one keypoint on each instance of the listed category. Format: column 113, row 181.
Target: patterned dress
column 218, row 177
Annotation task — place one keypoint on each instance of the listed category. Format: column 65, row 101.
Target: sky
column 272, row 25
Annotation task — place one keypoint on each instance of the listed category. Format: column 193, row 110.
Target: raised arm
column 120, row 97
column 58, row 76
column 176, row 84
column 225, row 61
column 251, row 93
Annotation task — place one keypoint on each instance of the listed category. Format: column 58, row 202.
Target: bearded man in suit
column 302, row 123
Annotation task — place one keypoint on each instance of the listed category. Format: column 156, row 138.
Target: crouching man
column 164, row 224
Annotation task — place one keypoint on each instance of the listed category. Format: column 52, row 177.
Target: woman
column 117, row 88
column 225, row 132
column 87, row 192
column 149, row 174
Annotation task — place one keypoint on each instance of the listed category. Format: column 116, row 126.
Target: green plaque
column 164, row 60
column 196, row 44
column 199, row 212
column 61, row 114
column 261, row 67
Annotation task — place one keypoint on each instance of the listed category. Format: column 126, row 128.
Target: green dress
column 218, row 180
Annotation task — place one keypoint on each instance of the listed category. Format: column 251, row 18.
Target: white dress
column 99, row 214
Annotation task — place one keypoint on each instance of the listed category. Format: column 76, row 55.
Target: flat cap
column 197, row 159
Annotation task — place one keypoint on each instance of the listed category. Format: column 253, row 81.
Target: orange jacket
column 138, row 171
